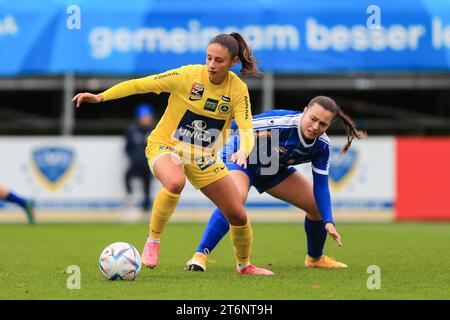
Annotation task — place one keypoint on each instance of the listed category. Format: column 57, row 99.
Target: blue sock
column 11, row 197
column 316, row 235
column 216, row 229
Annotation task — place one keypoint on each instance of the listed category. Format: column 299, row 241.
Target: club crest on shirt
column 279, row 150
column 197, row 91
column 224, row 108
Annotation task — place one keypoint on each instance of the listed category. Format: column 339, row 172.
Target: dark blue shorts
column 260, row 182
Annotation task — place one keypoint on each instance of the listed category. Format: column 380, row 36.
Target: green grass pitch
column 414, row 262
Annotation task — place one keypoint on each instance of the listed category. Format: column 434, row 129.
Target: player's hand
column 87, row 97
column 240, row 158
column 333, row 233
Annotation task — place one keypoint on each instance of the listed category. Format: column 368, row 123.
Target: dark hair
column 237, row 46
column 350, row 128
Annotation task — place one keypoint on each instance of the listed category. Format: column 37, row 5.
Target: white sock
column 243, row 266
column 149, row 239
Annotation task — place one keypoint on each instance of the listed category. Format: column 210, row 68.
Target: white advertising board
column 88, row 173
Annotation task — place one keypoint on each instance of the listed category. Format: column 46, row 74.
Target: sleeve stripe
column 319, row 171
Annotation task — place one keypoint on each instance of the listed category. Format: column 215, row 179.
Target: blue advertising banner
column 145, row 36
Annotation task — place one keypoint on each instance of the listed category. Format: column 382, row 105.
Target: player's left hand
column 333, row 233
column 240, row 158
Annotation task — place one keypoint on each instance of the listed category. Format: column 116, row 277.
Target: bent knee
column 175, row 186
column 314, row 215
column 244, row 197
column 237, row 217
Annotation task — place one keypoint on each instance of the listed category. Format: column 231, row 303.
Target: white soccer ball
column 120, row 261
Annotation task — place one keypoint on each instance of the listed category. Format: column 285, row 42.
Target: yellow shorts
column 200, row 171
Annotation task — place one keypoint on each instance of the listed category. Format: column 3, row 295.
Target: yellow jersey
column 198, row 113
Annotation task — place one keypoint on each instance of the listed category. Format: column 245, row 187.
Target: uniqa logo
column 198, row 133
column 198, row 125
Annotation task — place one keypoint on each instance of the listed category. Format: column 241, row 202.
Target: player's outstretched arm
column 87, row 97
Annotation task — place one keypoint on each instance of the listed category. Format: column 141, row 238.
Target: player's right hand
column 87, row 97
column 240, row 158
column 333, row 233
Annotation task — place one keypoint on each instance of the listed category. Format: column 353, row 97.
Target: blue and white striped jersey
column 277, row 133
column 278, row 137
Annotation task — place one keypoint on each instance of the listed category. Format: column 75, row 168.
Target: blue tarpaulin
column 142, row 36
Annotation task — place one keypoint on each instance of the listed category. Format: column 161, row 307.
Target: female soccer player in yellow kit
column 203, row 101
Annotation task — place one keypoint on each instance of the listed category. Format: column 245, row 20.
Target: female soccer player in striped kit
column 203, row 100
column 287, row 138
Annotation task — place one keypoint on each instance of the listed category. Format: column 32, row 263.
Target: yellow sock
column 242, row 239
column 163, row 207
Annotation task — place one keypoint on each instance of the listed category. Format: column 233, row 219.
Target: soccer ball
column 120, row 261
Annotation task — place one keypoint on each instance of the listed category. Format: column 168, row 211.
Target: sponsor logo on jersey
column 197, row 91
column 198, row 130
column 164, row 75
column 211, row 105
column 226, row 99
column 247, row 107
column 53, row 165
column 166, row 148
column 224, row 108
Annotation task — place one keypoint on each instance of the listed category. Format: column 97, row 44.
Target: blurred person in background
column 288, row 138
column 204, row 98
column 26, row 204
column 135, row 144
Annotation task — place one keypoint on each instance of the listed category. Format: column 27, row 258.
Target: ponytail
column 249, row 63
column 350, row 130
column 237, row 46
